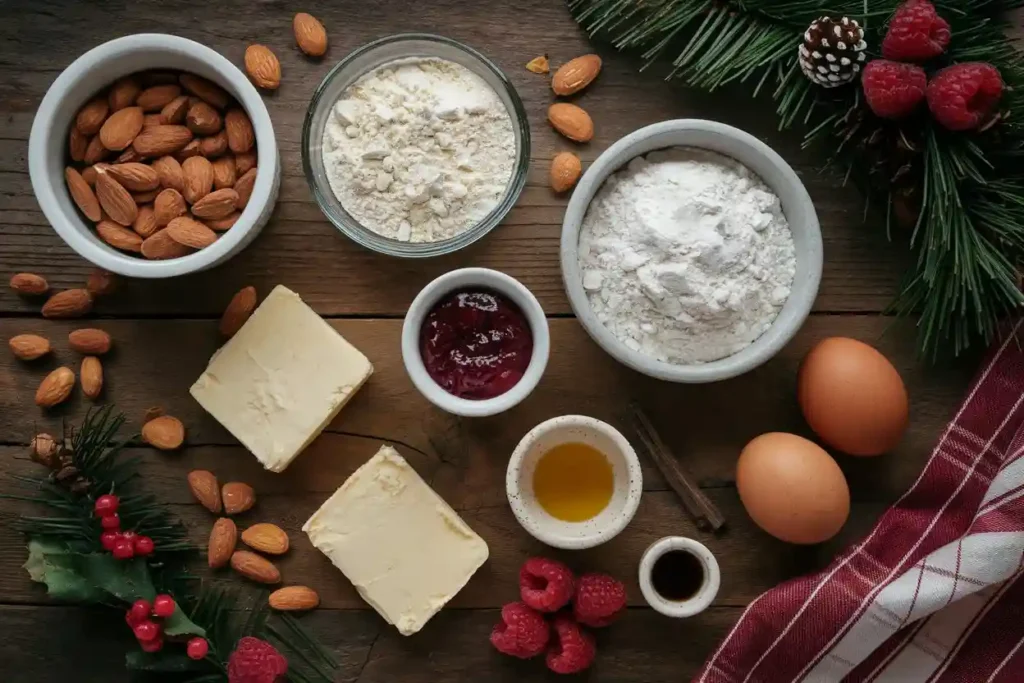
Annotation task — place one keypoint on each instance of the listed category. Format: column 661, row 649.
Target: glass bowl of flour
column 415, row 145
column 691, row 251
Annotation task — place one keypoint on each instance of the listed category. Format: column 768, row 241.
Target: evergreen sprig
column 969, row 232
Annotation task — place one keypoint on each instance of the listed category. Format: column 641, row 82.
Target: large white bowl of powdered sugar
column 691, row 251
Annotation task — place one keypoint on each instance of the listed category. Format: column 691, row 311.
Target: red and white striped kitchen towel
column 935, row 592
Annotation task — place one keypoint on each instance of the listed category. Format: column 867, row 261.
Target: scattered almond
column 29, row 346
column 539, row 65
column 78, row 143
column 82, row 194
column 91, row 116
column 116, row 201
column 29, row 284
column 576, row 74
column 197, row 173
column 571, row 121
column 262, row 66
column 55, row 387
column 157, row 97
column 145, row 223
column 190, row 232
column 135, row 176
column 222, row 224
column 120, row 128
column 224, row 173
column 266, row 538
column 217, row 204
column 253, row 567
column 241, row 306
column 238, row 127
column 566, row 169
column 101, row 282
column 310, row 35
column 243, row 186
column 169, row 173
column 238, row 497
column 119, row 237
column 150, row 120
column 95, row 152
column 293, row 598
column 161, row 140
column 204, row 89
column 89, row 341
column 159, row 247
column 91, row 374
column 203, row 119
column 214, row 146
column 167, row 206
column 223, row 539
column 205, row 488
column 71, row 303
column 174, row 111
column 165, row 432
column 244, row 162
column 123, row 93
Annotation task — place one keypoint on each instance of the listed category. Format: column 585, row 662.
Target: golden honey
column 573, row 482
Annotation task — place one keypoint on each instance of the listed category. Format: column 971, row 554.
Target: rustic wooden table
column 165, row 331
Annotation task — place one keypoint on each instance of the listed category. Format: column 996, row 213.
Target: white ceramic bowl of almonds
column 219, row 230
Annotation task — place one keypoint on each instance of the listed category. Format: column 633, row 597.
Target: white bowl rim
column 46, row 192
column 488, row 279
column 553, row 538
column 762, row 349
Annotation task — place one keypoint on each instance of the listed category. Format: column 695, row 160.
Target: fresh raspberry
column 599, row 600
column 962, row 97
column 893, row 90
column 545, row 585
column 916, row 33
column 573, row 649
column 521, row 632
column 256, row 661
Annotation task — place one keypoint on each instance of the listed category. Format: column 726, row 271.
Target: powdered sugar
column 419, row 149
column 686, row 256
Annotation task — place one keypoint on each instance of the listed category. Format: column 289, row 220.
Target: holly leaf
column 180, row 625
column 165, row 661
column 47, row 564
column 127, row 580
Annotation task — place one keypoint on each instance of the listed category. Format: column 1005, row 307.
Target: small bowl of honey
column 574, row 482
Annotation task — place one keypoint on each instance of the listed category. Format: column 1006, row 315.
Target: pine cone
column 833, row 51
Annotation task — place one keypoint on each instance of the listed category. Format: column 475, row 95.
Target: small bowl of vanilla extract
column 679, row 577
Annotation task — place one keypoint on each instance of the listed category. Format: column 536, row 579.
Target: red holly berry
column 154, row 645
column 123, row 549
column 111, row 522
column 144, row 546
column 129, row 535
column 163, row 606
column 545, row 585
column 962, row 97
column 197, row 648
column 599, row 600
column 916, row 33
column 893, row 90
column 256, row 661
column 139, row 611
column 108, row 538
column 522, row 632
column 572, row 649
column 106, row 505
column 146, row 630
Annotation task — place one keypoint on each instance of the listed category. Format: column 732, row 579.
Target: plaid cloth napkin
column 935, row 592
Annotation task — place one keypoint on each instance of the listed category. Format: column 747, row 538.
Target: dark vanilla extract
column 677, row 575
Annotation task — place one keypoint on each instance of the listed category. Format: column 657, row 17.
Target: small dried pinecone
column 833, row 51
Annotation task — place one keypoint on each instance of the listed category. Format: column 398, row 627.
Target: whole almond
column 145, row 198
column 101, row 282
column 128, row 156
column 266, row 538
column 89, row 174
column 224, row 172
column 193, row 149
column 223, row 539
column 90, row 117
column 238, row 497
column 157, row 97
column 29, row 346
column 197, row 173
column 165, row 432
column 576, row 74
column 29, row 284
column 168, row 171
column 293, row 599
column 205, row 488
column 214, row 146
column 71, row 303
column 244, row 162
column 116, row 201
column 167, row 206
column 89, row 341
column 254, row 567
column 175, row 110
column 159, row 247
column 190, row 233
column 204, row 89
column 571, row 121
column 150, row 120
column 55, row 387
column 145, row 223
column 243, row 186
column 310, row 35
column 119, row 237
column 566, row 169
column 95, row 151
column 78, row 143
column 91, row 374
column 161, row 140
column 262, row 66
column 222, row 224
column 203, row 119
column 135, row 176
column 120, row 128
column 241, row 306
column 217, row 204
column 123, row 93
column 82, row 194
column 239, row 130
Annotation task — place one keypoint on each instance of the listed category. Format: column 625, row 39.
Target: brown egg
column 792, row 488
column 852, row 397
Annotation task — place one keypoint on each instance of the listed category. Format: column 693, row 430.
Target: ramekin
column 700, row 600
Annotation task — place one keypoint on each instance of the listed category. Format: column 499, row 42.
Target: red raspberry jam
column 476, row 344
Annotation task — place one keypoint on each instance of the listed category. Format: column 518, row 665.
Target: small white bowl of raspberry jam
column 475, row 342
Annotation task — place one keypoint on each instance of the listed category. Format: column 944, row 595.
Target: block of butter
column 405, row 550
column 281, row 379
